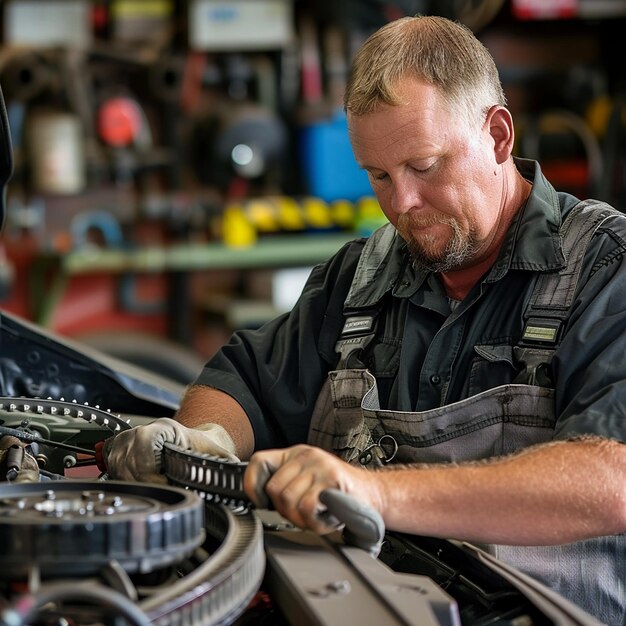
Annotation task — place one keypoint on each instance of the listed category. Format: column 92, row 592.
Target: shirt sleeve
column 590, row 362
column 277, row 371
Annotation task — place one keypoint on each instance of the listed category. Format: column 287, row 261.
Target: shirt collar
column 533, row 241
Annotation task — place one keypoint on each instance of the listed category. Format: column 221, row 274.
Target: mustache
column 423, row 220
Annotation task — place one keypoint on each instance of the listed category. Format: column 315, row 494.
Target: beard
column 427, row 252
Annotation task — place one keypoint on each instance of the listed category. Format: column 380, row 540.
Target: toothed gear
column 62, row 408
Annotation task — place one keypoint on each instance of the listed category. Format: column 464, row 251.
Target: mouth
column 411, row 225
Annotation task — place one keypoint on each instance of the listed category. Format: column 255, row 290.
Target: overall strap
column 358, row 331
column 551, row 299
column 362, row 303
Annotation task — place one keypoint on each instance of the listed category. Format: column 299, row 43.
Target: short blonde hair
column 435, row 49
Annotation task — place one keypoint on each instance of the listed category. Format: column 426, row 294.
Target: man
column 489, row 439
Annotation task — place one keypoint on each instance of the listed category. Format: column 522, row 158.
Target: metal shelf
column 270, row 251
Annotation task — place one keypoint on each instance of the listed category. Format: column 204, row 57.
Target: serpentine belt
column 215, row 479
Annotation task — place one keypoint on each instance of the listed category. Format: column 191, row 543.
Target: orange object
column 119, row 121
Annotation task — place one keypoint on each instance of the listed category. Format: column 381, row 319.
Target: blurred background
column 180, row 165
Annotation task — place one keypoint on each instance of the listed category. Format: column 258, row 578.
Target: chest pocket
column 492, row 366
column 382, row 359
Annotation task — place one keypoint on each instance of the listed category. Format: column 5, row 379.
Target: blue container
column 330, row 169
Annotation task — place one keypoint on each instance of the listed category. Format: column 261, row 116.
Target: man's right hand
column 294, row 478
column 135, row 454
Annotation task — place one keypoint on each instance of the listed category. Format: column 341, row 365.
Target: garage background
column 182, row 164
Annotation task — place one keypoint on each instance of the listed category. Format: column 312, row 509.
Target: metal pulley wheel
column 78, row 527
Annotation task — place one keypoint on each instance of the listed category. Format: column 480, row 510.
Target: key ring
column 367, row 456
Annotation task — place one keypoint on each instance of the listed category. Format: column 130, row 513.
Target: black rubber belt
column 213, row 478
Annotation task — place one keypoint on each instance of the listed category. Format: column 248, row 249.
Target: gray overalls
column 349, row 422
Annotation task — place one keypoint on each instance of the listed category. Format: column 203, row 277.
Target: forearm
column 551, row 494
column 202, row 405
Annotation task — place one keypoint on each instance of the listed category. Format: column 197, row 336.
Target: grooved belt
column 215, row 479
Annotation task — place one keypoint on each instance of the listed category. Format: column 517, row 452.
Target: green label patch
column 543, row 331
column 540, row 333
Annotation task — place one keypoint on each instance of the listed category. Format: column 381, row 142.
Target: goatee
column 458, row 250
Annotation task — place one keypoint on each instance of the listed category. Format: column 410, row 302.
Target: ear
column 499, row 125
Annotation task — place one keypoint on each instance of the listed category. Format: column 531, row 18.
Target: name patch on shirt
column 541, row 330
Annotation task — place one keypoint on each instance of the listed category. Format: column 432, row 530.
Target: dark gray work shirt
column 444, row 353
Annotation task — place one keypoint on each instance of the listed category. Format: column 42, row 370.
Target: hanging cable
column 28, row 607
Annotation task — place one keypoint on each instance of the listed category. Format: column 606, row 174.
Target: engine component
column 49, row 406
column 214, row 479
column 77, row 527
column 211, row 586
column 340, row 581
column 50, row 426
column 223, row 585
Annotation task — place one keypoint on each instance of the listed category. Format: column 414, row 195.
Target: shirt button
column 435, row 379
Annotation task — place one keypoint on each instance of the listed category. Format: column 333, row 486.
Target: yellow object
column 289, row 214
column 237, row 231
column 141, row 8
column 369, row 216
column 317, row 214
column 342, row 214
column 262, row 215
column 598, row 114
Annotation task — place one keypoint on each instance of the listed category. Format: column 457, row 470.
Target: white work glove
column 135, row 454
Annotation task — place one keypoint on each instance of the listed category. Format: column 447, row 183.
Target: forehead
column 420, row 124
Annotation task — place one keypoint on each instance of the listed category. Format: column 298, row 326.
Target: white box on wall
column 51, row 23
column 240, row 24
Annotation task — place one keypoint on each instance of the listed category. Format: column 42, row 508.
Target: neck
column 459, row 283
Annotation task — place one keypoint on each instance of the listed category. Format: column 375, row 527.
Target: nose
column 406, row 195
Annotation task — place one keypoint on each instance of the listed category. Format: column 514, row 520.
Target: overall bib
column 349, row 422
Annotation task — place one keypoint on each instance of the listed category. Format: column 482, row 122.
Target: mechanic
column 491, row 405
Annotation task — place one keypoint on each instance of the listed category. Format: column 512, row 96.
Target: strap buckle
column 357, row 332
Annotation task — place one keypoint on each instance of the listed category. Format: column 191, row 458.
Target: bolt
column 340, row 586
